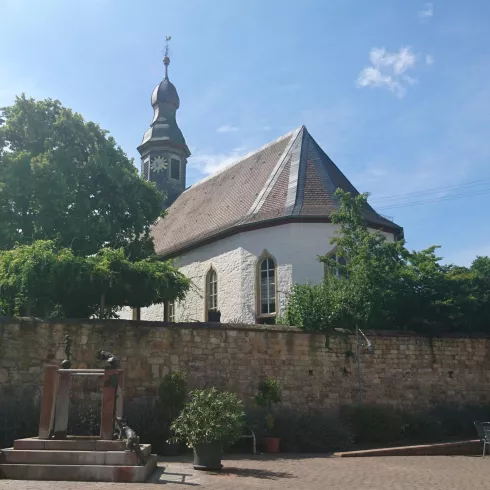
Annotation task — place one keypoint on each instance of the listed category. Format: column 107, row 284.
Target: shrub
column 209, row 416
column 269, row 393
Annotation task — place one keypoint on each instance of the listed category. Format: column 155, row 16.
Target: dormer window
column 174, row 168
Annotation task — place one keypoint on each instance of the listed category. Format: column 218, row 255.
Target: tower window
column 145, row 168
column 175, row 169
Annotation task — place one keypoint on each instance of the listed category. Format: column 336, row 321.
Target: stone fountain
column 57, row 455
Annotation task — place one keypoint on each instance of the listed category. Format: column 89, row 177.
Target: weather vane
column 167, row 45
column 166, row 59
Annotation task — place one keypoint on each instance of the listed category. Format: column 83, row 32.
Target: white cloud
column 388, row 70
column 227, row 128
column 427, row 12
column 429, row 60
column 266, row 128
column 210, row 163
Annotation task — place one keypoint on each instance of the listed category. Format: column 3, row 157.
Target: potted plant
column 269, row 393
column 214, row 316
column 172, row 394
column 210, row 420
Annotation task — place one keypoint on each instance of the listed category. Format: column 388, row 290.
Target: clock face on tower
column 159, row 163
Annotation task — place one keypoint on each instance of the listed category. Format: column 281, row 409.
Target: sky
column 396, row 92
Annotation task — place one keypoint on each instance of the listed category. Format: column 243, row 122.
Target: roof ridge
column 274, row 175
column 244, row 157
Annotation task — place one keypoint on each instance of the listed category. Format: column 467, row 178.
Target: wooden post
column 48, row 401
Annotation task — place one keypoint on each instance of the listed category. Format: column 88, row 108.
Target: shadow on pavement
column 162, row 477
column 254, row 473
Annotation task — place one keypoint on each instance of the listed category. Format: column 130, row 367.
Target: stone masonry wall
column 405, row 370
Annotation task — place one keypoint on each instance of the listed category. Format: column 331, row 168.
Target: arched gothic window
column 211, row 295
column 342, row 261
column 267, row 292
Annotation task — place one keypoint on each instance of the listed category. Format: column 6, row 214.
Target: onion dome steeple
column 163, row 150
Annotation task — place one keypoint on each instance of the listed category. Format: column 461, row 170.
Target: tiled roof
column 289, row 179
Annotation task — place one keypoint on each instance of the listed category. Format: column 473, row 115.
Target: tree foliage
column 210, row 416
column 383, row 285
column 76, row 217
column 64, row 179
column 45, row 281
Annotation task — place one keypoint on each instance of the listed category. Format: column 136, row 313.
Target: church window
column 340, row 260
column 267, row 287
column 175, row 169
column 211, row 293
column 169, row 311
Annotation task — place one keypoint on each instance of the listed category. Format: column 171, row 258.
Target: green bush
column 269, row 394
column 209, row 416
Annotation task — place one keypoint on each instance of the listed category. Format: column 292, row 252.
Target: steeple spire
column 163, row 150
column 166, row 59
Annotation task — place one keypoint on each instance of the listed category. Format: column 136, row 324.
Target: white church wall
column 225, row 258
column 294, row 246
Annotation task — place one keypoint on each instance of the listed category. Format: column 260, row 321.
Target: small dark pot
column 207, row 456
column 271, row 444
column 214, row 316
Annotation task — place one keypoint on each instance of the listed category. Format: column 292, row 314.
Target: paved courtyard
column 302, row 471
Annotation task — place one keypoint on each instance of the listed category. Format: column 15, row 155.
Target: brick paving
column 303, row 471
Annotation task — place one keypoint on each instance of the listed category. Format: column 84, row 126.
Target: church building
column 246, row 234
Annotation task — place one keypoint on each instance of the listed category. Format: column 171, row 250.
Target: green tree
column 383, row 285
column 65, row 179
column 45, row 281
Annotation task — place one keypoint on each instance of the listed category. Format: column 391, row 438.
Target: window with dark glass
column 267, row 285
column 175, row 169
column 212, row 290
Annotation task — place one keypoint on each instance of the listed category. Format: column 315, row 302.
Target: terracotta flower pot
column 271, row 444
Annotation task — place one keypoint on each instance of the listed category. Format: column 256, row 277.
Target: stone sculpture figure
column 66, row 363
column 111, row 359
column 132, row 440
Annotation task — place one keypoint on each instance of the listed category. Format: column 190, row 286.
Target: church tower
column 163, row 150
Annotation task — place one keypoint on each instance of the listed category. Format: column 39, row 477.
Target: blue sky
column 396, row 92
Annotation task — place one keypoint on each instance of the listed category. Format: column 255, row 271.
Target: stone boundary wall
column 405, row 369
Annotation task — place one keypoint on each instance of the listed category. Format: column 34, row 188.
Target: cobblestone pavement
column 302, row 471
